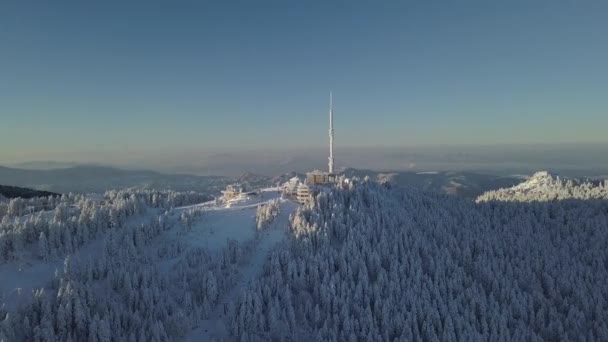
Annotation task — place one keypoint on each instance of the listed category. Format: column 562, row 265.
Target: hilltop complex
column 302, row 191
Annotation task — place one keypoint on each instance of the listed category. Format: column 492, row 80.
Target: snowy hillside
column 542, row 186
column 133, row 265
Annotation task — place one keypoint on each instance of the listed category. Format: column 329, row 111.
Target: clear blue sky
column 79, row 78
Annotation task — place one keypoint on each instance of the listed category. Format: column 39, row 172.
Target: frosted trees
column 76, row 219
column 123, row 293
column 266, row 213
column 386, row 264
column 189, row 216
column 130, row 297
column 544, row 187
column 15, row 207
column 363, row 262
column 43, row 246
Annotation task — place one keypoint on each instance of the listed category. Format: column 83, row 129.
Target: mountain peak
column 538, row 180
column 541, row 175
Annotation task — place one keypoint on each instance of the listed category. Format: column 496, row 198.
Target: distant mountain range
column 85, row 179
column 46, row 165
column 460, row 183
column 90, row 178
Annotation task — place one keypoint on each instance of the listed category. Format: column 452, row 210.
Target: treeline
column 22, row 206
column 15, row 191
column 370, row 263
column 266, row 213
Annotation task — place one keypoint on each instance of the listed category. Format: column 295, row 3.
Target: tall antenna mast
column 331, row 134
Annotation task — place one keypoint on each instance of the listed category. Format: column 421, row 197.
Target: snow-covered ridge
column 542, row 186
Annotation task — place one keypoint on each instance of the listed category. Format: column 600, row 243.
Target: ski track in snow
column 215, row 327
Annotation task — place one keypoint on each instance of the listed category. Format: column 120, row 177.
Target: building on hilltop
column 297, row 190
column 232, row 191
column 315, row 181
column 303, row 193
column 290, row 188
column 317, row 177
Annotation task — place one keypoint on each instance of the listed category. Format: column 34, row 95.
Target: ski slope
column 235, row 221
column 232, row 220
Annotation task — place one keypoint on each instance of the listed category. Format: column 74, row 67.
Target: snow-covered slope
column 133, row 265
column 542, row 186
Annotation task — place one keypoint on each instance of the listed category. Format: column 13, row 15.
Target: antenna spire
column 331, row 134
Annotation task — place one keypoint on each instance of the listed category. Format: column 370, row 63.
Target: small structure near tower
column 317, row 177
column 316, row 181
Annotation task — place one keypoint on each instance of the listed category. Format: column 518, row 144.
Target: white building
column 290, row 188
column 303, row 193
column 232, row 191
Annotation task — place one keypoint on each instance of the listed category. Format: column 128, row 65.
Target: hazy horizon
column 571, row 159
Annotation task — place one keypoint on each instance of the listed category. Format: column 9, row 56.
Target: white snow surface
column 18, row 279
column 536, row 183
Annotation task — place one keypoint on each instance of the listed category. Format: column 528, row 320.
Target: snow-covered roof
column 316, row 172
column 236, row 187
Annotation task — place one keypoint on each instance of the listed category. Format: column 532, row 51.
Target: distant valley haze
column 567, row 159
